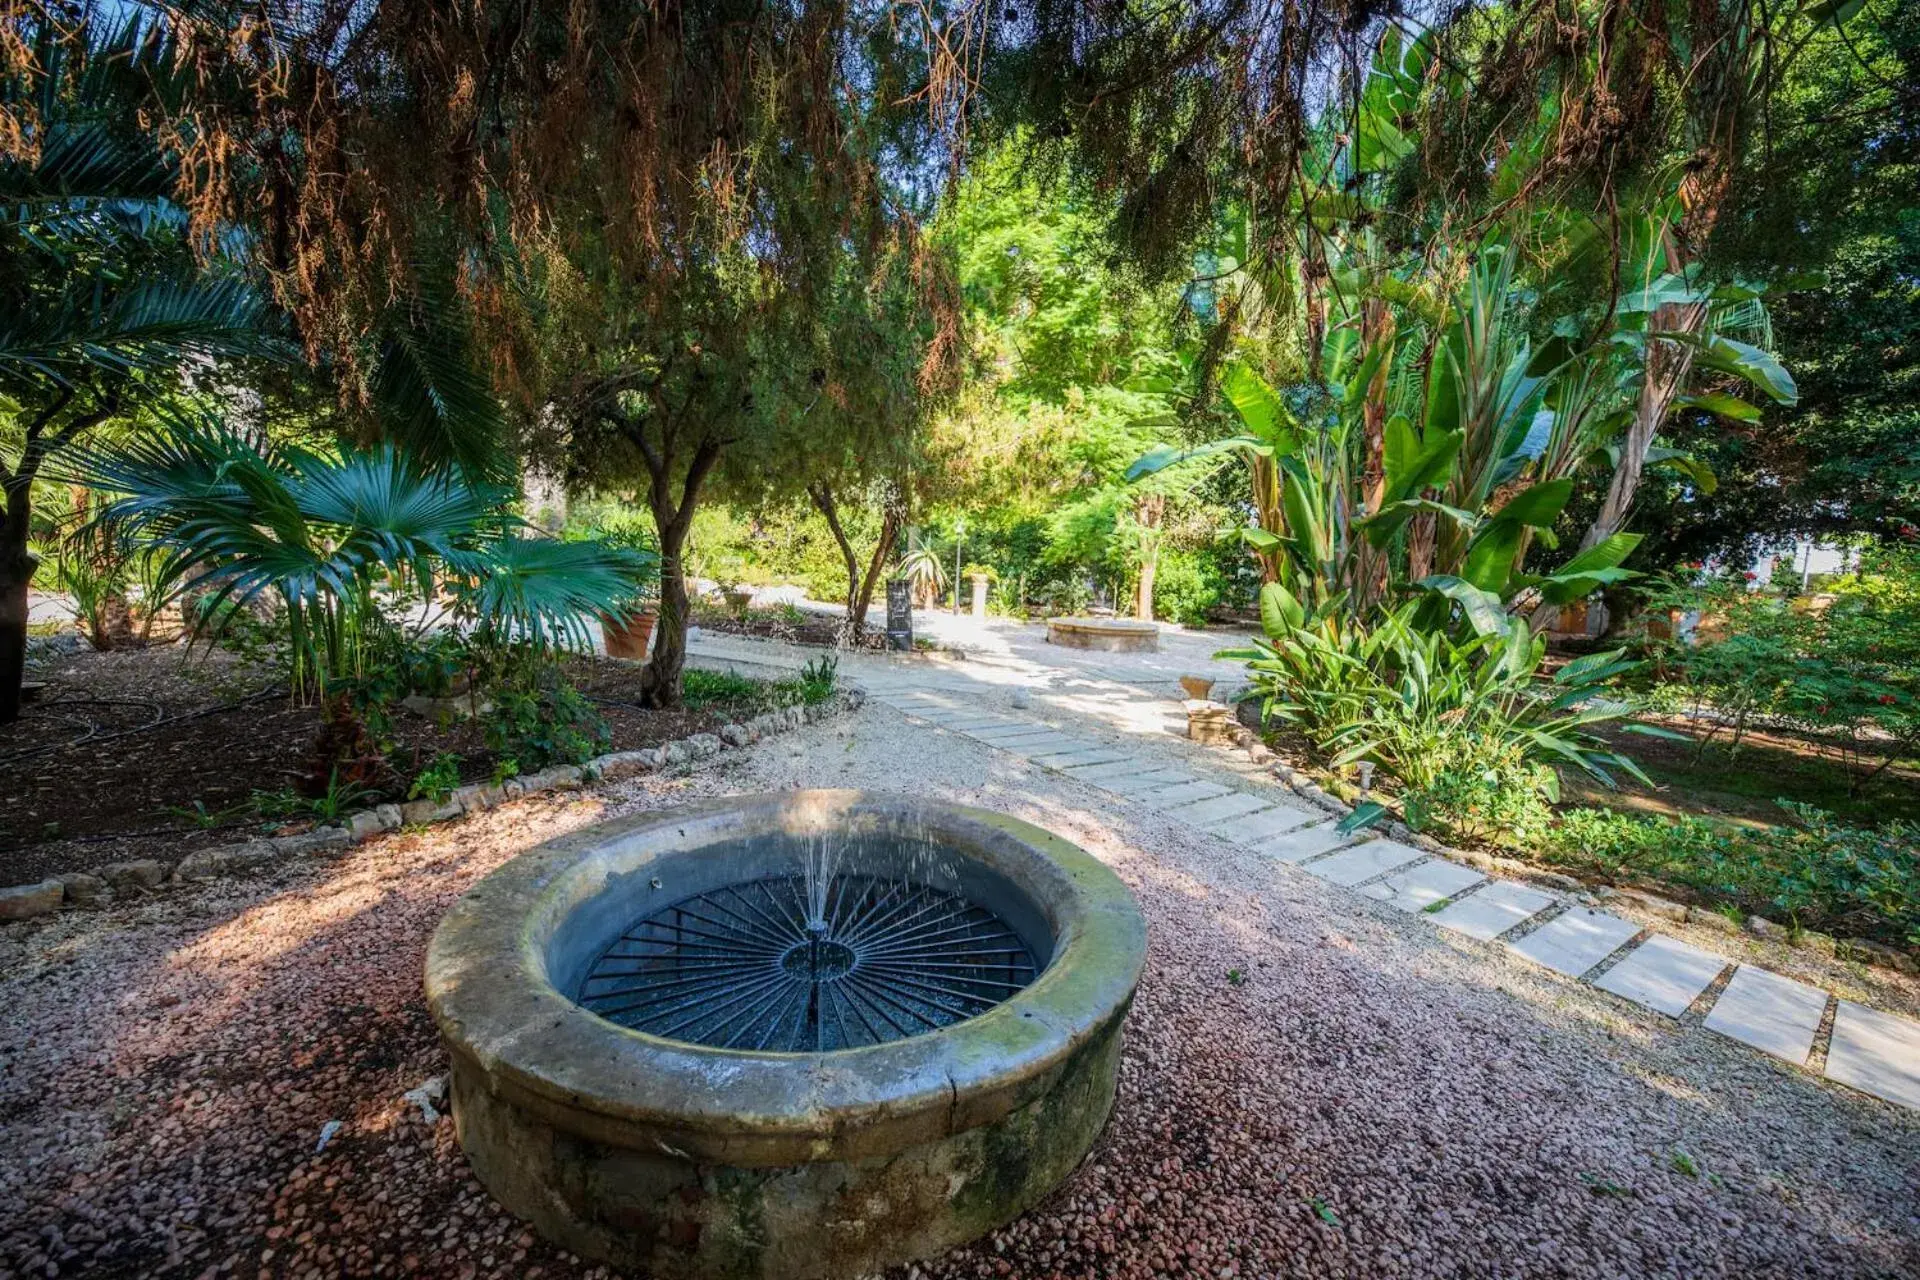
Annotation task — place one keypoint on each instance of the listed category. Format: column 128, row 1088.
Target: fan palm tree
column 108, row 299
column 322, row 531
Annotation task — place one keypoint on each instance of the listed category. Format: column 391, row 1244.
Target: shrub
column 1847, row 670
column 1814, row 871
column 1417, row 702
column 1496, row 799
column 538, row 719
column 1183, row 590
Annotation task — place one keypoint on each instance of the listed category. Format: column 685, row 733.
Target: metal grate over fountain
column 789, row 964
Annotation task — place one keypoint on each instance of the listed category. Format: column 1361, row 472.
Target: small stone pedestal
column 1210, row 722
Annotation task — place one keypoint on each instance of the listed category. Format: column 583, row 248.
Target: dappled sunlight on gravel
column 1365, row 1098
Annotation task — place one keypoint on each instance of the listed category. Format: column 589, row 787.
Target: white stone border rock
column 96, row 888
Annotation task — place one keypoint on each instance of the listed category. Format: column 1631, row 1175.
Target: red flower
column 1886, row 699
column 1751, row 575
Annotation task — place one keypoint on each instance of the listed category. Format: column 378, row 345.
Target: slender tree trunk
column 1151, row 512
column 891, row 522
column 859, row 586
column 660, row 678
column 16, row 574
column 672, row 518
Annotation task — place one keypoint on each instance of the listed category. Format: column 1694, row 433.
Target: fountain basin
column 1110, row 635
column 701, row 1143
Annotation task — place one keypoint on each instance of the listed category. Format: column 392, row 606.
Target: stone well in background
column 1111, row 635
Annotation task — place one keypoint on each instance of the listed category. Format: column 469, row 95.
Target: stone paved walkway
column 1875, row 1052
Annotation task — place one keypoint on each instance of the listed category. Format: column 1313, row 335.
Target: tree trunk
column 1150, row 511
column 859, row 586
column 660, row 678
column 1667, row 366
column 672, row 518
column 890, row 525
column 16, row 574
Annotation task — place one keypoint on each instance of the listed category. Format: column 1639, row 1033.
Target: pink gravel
column 1369, row 1100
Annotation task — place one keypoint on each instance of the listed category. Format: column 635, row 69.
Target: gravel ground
column 1368, row 1099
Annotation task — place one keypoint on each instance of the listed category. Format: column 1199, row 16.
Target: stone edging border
column 1302, row 784
column 93, row 888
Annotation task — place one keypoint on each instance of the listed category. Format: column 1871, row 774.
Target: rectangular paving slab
column 1182, row 793
column 1419, row 886
column 1364, row 862
column 1257, row 828
column 1124, row 767
column 1306, row 842
column 1773, row 1014
column 1664, row 974
column 1576, row 940
column 1051, row 744
column 1876, row 1053
column 1234, row 804
column 997, row 734
column 1493, row 910
column 1137, row 783
column 1081, row 756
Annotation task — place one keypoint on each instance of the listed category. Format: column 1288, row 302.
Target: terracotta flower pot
column 628, row 637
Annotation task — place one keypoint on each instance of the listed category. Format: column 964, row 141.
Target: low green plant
column 1422, row 704
column 437, row 781
column 1814, row 872
column 537, row 718
column 700, row 688
column 818, row 679
column 1496, row 799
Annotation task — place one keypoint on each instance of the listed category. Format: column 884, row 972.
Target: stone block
column 1179, row 793
column 142, row 873
column 703, row 746
column 1773, row 1014
column 1576, row 940
column 1419, row 886
column 416, row 813
column 1868, row 952
column 1876, row 1053
column 1653, row 904
column 1493, row 909
column 318, row 840
column 1234, row 804
column 25, row 901
column 83, row 890
column 1664, row 974
column 389, row 815
column 211, row 864
column 735, row 735
column 1714, row 920
column 1364, row 862
column 1304, row 842
column 365, row 825
column 1255, row 828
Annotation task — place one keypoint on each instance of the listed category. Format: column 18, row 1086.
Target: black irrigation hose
column 92, row 734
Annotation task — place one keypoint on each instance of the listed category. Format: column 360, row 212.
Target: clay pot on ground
column 628, row 637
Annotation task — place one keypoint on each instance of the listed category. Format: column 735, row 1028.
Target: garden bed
column 126, row 748
column 786, row 623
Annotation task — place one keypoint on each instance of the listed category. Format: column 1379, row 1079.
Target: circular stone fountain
column 1111, row 635
column 807, row 1034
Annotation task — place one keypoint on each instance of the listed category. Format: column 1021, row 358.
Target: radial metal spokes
column 741, row 968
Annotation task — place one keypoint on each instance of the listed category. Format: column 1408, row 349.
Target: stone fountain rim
column 489, row 993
